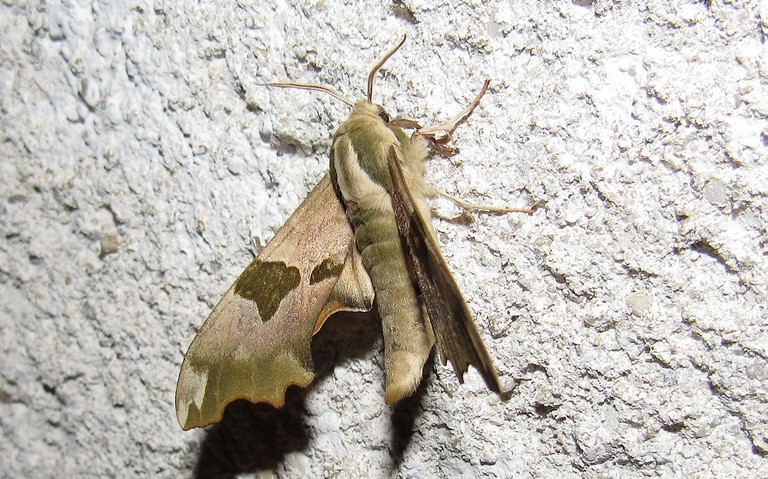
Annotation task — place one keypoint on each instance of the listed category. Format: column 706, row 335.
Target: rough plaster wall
column 629, row 310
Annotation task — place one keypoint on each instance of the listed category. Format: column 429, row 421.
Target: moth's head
column 366, row 108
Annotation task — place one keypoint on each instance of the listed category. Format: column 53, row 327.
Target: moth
column 363, row 236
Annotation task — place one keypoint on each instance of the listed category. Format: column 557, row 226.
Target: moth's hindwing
column 257, row 340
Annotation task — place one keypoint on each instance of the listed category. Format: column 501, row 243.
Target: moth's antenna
column 372, row 75
column 305, row 86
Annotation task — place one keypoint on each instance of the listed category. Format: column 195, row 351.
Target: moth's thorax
column 361, row 149
column 370, row 133
column 359, row 158
column 415, row 149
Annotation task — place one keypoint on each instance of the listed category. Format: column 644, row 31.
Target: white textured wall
column 630, row 310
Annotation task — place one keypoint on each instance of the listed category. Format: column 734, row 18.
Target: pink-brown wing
column 257, row 340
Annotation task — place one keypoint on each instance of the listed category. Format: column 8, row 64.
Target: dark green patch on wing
column 266, row 283
column 328, row 268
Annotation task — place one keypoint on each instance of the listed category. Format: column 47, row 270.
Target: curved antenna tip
column 375, row 69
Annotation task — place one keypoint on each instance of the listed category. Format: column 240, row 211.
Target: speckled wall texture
column 141, row 158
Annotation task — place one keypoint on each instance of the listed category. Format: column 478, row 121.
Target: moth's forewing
column 257, row 340
column 456, row 334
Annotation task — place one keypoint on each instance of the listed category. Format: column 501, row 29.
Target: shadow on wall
column 256, row 437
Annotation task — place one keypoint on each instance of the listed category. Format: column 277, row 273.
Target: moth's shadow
column 404, row 415
column 256, row 437
column 251, row 437
column 352, row 335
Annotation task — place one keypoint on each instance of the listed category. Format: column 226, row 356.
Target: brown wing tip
column 489, row 375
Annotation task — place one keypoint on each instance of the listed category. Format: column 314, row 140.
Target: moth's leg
column 480, row 208
column 257, row 246
column 432, row 191
column 441, row 133
column 406, row 123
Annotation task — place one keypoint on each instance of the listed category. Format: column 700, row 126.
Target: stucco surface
column 141, row 157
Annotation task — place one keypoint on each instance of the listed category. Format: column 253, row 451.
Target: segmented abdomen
column 408, row 338
column 379, row 245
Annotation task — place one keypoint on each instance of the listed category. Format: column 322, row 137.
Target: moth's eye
column 384, row 116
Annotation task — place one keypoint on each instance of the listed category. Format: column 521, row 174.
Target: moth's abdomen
column 407, row 337
column 379, row 245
